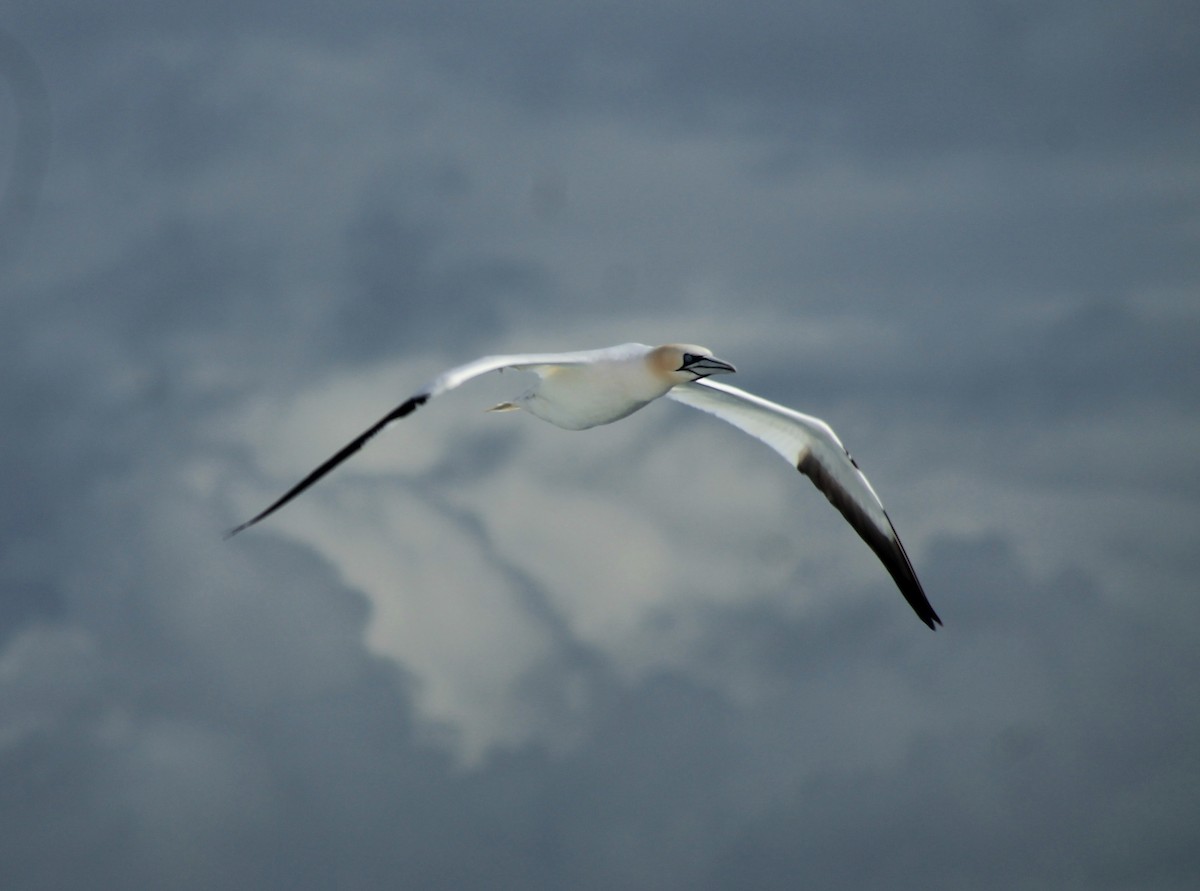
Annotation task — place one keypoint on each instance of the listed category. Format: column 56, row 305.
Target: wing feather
column 811, row 446
column 447, row 380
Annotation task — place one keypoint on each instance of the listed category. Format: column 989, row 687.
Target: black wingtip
column 402, row 410
column 270, row 510
column 230, row 533
column 901, row 571
column 887, row 546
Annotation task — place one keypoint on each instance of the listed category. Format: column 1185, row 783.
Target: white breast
column 581, row 396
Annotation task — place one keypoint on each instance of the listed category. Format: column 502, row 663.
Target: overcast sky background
column 490, row 653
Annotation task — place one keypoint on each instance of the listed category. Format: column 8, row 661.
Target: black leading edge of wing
column 405, row 408
column 887, row 548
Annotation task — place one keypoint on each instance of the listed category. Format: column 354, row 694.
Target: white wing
column 811, row 446
column 447, row 380
column 536, row 362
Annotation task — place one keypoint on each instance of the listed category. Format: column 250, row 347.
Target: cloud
column 489, row 652
column 27, row 156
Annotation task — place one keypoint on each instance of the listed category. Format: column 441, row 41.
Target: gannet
column 579, row 390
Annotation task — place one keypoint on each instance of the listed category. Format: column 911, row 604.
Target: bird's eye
column 689, row 358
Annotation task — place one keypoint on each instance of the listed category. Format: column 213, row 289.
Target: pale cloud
column 491, row 653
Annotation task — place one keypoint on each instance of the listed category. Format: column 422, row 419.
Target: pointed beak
column 706, row 365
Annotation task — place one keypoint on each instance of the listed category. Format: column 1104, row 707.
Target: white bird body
column 616, row 384
column 579, row 390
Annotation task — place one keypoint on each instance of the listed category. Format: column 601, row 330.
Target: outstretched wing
column 444, row 382
column 811, row 446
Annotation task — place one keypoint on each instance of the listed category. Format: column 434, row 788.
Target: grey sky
column 489, row 653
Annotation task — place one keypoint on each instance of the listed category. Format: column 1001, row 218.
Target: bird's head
column 685, row 362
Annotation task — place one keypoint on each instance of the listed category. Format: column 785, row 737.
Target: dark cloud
column 999, row 784
column 395, row 276
column 506, row 656
column 26, row 152
column 888, row 82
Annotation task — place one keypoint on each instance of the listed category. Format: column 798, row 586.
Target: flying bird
column 578, row 390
